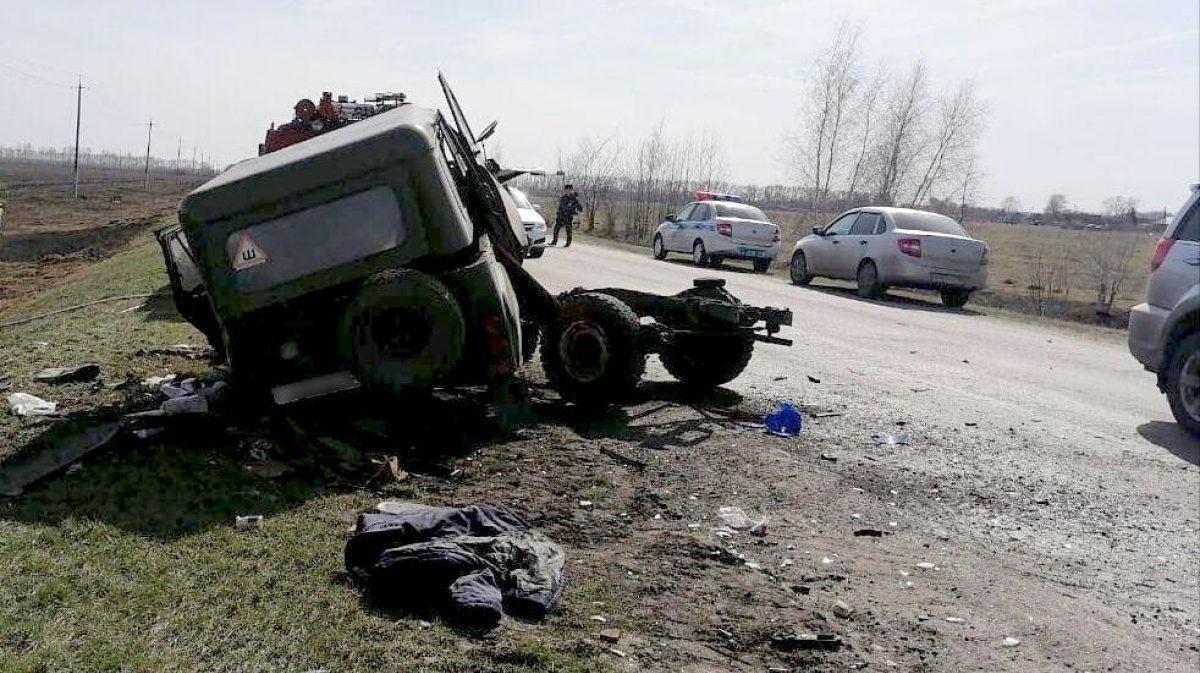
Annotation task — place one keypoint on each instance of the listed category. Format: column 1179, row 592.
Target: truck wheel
column 402, row 329
column 537, row 252
column 593, row 352
column 660, row 250
column 798, row 269
column 955, row 298
column 868, row 281
column 707, row 360
column 1183, row 383
column 761, row 265
column 699, row 254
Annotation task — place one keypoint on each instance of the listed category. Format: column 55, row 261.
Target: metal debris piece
column 55, row 375
column 868, row 532
column 806, row 641
column 62, row 449
column 250, row 522
column 398, row 472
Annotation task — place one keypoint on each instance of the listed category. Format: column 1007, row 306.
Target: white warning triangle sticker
column 247, row 254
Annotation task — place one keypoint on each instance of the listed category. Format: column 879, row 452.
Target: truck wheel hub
column 584, row 349
column 1189, row 385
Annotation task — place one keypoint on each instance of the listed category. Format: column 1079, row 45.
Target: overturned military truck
column 388, row 254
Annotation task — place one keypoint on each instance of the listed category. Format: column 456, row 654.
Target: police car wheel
column 592, row 353
column 707, row 360
column 799, row 269
column 660, row 250
column 403, row 329
column 761, row 265
column 699, row 255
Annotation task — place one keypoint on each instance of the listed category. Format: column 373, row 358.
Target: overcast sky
column 1089, row 98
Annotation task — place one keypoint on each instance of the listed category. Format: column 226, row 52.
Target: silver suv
column 1164, row 332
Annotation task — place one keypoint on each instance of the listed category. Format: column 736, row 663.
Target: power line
column 32, row 78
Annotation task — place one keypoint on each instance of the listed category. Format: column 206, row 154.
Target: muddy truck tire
column 592, row 352
column 707, row 360
column 402, row 329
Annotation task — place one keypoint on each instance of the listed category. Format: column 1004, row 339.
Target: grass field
column 132, row 563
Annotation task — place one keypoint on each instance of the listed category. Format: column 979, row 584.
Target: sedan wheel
column 660, row 251
column 868, row 281
column 799, row 270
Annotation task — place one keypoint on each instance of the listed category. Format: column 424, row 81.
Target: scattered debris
column 55, row 375
column 830, row 457
column 157, row 381
column 737, row 519
column 868, row 532
column 24, row 404
column 188, row 404
column 956, row 620
column 806, row 641
column 759, row 529
column 842, row 610
column 610, row 635
column 585, row 503
column 5, row 383
column 920, row 390
column 926, row 565
column 398, row 472
column 752, row 565
column 600, row 618
column 784, row 421
column 1010, row 642
column 826, row 560
column 183, row 350
column 813, row 379
column 802, row 589
column 786, row 562
column 249, row 522
column 971, row 424
column 883, row 439
column 828, row 414
column 723, row 532
column 617, row 652
column 60, row 448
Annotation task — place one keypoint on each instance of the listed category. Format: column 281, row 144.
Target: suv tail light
column 777, row 236
column 724, row 228
column 983, row 259
column 910, row 246
column 1160, row 253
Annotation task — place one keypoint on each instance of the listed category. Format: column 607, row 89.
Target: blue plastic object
column 785, row 421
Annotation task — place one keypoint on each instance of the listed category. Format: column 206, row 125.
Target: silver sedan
column 894, row 247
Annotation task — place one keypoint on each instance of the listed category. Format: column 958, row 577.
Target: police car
column 716, row 227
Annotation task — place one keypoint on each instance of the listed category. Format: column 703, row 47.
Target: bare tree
column 1010, row 205
column 968, row 186
column 1108, row 257
column 1121, row 211
column 1056, row 205
column 902, row 133
column 591, row 168
column 865, row 117
column 959, row 123
column 818, row 147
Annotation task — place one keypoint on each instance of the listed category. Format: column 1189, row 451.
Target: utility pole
column 78, row 109
column 149, row 131
column 193, row 159
column 178, row 155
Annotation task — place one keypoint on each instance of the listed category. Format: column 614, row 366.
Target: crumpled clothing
column 472, row 561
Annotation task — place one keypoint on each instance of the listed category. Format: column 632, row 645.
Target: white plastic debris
column 1010, row 642
column 883, row 439
column 955, row 620
column 926, row 565
column 249, row 522
column 737, row 519
column 24, row 404
column 585, row 503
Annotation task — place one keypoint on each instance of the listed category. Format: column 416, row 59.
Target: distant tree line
column 90, row 158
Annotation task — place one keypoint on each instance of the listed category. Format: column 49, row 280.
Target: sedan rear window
column 739, row 210
column 931, row 222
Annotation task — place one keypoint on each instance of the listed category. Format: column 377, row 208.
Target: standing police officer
column 568, row 205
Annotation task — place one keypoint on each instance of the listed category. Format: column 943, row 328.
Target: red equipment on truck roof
column 312, row 119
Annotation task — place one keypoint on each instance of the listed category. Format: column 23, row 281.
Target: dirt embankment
column 47, row 232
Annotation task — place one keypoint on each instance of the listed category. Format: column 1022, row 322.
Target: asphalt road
column 1082, row 387
column 1044, row 469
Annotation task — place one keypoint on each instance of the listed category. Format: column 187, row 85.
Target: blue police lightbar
column 713, row 196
